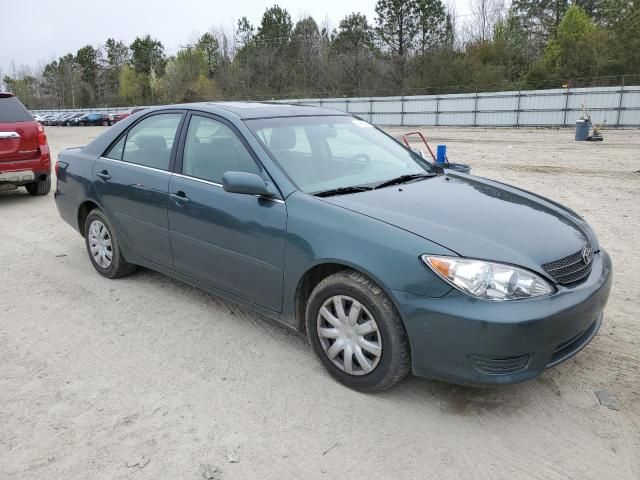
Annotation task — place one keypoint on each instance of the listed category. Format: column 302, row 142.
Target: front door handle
column 180, row 197
column 104, row 175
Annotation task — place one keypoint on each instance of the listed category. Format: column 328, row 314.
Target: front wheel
column 357, row 333
column 103, row 248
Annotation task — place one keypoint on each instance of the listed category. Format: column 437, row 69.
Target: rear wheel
column 41, row 187
column 357, row 333
column 105, row 123
column 103, row 248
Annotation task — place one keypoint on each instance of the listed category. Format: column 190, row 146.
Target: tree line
column 411, row 46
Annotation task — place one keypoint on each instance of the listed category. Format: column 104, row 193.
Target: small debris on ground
column 61, row 255
column 140, row 462
column 233, row 457
column 608, row 400
column 330, row 448
column 209, row 472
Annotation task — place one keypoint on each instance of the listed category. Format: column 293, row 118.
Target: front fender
column 321, row 233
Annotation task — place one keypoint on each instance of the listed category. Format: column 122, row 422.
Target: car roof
column 253, row 110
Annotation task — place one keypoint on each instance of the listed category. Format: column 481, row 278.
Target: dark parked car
column 61, row 118
column 92, row 119
column 70, row 120
column 52, row 119
column 47, row 119
column 25, row 160
column 325, row 223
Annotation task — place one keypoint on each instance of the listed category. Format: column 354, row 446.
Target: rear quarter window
column 11, row 110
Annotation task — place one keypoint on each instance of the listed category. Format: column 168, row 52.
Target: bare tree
column 485, row 15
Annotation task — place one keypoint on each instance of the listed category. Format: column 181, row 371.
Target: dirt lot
column 147, row 378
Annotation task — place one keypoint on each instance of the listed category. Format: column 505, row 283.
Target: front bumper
column 476, row 342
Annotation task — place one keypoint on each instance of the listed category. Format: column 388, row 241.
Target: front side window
column 150, row 141
column 326, row 152
column 211, row 149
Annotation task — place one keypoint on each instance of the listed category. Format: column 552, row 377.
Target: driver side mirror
column 247, row 184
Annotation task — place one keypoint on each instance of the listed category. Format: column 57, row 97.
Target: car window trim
column 124, row 162
column 219, row 185
column 174, row 146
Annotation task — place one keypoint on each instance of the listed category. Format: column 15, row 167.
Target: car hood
column 476, row 217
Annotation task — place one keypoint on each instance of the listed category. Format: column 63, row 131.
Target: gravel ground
column 147, row 378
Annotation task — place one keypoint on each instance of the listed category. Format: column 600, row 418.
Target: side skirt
column 259, row 309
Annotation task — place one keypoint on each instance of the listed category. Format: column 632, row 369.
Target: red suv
column 24, row 153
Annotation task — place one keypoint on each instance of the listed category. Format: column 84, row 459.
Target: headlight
column 488, row 280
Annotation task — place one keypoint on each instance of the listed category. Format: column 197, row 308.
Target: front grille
column 499, row 365
column 571, row 268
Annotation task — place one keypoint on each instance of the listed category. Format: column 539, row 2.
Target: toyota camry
column 321, row 221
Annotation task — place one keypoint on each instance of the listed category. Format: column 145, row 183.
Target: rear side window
column 150, row 141
column 11, row 110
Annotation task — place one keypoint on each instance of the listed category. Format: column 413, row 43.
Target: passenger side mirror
column 247, row 184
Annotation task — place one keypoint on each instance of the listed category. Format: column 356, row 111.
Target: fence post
column 566, row 105
column 370, row 109
column 620, row 103
column 518, row 111
column 347, row 104
column 475, row 109
column 437, row 108
column 402, row 111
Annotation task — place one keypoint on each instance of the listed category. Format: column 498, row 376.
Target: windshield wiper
column 342, row 191
column 405, row 179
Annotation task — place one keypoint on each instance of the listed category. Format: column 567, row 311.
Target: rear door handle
column 180, row 197
column 104, row 175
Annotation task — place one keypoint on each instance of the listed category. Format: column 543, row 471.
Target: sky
column 45, row 30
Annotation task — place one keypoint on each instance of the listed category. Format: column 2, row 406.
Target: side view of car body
column 49, row 119
column 61, row 118
column 70, row 120
column 319, row 220
column 24, row 153
column 92, row 119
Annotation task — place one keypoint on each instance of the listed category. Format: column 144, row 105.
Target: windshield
column 324, row 153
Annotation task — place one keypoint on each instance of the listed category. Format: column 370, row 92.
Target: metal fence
column 48, row 111
column 618, row 106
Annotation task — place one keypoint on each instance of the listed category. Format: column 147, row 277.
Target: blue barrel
column 441, row 153
column 582, row 130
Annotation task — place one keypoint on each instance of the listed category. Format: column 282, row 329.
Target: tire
column 105, row 123
column 117, row 266
column 41, row 187
column 381, row 371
